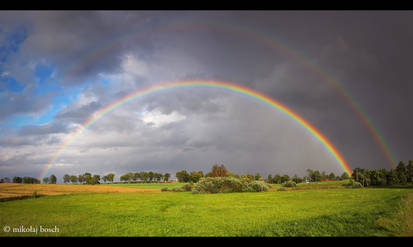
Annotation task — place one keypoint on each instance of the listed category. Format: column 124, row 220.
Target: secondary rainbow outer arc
column 214, row 84
column 272, row 43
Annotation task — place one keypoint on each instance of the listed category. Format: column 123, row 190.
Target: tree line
column 88, row 178
column 222, row 171
column 402, row 175
column 216, row 171
column 146, row 177
column 27, row 180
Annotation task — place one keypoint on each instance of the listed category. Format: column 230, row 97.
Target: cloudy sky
column 58, row 68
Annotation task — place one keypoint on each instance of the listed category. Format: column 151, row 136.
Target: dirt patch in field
column 13, row 190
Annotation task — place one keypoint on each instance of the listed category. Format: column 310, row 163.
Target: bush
column 282, row 189
column 350, row 183
column 289, row 184
column 35, row 195
column 187, row 187
column 258, row 186
column 177, row 189
column 227, row 185
column 164, row 189
column 357, row 185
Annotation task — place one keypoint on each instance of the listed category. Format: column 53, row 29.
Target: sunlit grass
column 331, row 212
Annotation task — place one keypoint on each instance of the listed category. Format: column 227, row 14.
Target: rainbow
column 256, row 35
column 212, row 84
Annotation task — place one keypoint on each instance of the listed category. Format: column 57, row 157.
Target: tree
column 96, row 179
column 195, row 176
column 219, row 171
column 345, row 176
column 392, row 177
column 257, row 177
column 331, row 176
column 277, row 178
column 73, row 179
column 144, row 176
column 183, row 176
column 111, row 177
column 53, row 179
column 88, row 178
column 166, row 177
column 383, row 176
column 158, row 176
column 410, row 171
column 151, row 176
column 18, row 180
column 316, row 176
column 134, row 176
column 297, row 179
column 310, row 173
column 46, row 180
column 81, row 179
column 66, row 178
column 124, row 177
column 269, row 178
column 30, row 180
column 285, row 178
column 401, row 171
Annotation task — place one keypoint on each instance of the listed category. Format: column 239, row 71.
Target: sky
column 348, row 73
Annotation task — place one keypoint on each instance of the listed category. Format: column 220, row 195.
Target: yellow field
column 14, row 190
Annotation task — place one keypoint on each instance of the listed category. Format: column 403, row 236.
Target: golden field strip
column 14, row 190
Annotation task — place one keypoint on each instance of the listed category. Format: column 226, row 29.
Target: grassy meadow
column 322, row 209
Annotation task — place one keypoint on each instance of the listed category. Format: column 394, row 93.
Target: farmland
column 315, row 211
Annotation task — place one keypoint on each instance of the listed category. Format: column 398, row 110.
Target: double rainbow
column 211, row 84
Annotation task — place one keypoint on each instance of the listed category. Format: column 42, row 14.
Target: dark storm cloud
column 25, row 102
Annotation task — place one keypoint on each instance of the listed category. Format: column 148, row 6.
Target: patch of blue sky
column 11, row 42
column 8, row 83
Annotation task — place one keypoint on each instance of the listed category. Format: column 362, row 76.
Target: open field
column 13, row 190
column 310, row 212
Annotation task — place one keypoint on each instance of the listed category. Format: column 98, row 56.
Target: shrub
column 357, row 185
column 187, row 187
column 164, row 189
column 35, row 195
column 282, row 189
column 227, row 185
column 289, row 184
column 258, row 186
column 177, row 189
column 350, row 183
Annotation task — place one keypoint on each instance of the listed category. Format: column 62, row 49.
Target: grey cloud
column 51, row 128
column 78, row 115
column 367, row 53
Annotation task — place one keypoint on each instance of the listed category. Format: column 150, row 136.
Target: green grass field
column 312, row 212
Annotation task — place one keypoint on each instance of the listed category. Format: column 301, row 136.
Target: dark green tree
column 66, row 178
column 269, row 179
column 402, row 173
column 53, row 179
column 166, row 176
column 183, row 176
